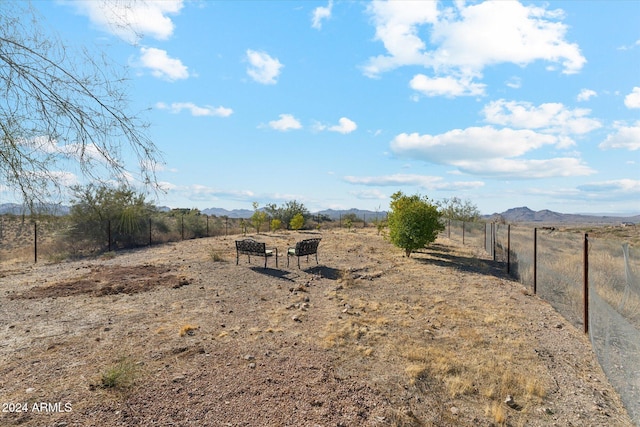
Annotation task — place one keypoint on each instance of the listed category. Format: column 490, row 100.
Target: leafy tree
column 94, row 207
column 258, row 218
column 287, row 211
column 413, row 222
column 461, row 210
column 275, row 224
column 296, row 222
column 61, row 109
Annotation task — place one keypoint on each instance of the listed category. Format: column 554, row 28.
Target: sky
column 339, row 104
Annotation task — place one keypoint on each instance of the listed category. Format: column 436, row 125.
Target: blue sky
column 339, row 104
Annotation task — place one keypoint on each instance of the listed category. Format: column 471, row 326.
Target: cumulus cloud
column 627, row 186
column 131, row 19
column 465, row 38
column 262, row 67
column 422, row 181
column 547, row 117
column 633, row 99
column 321, row 13
column 625, row 137
column 487, row 151
column 445, row 86
column 285, row 122
column 586, row 94
column 344, row 126
column 195, row 110
column 161, row 65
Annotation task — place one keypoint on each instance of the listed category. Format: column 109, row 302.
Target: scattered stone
column 454, row 410
column 296, row 319
column 252, row 365
column 178, row 378
column 249, row 357
column 30, row 390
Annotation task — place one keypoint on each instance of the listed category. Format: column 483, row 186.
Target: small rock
column 454, row 410
column 249, row 357
column 178, row 378
column 252, row 365
column 509, row 401
column 296, row 319
column 30, row 390
column 559, row 326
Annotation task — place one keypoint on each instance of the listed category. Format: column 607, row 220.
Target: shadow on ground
column 442, row 256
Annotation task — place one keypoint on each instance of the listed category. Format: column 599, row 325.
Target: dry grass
column 408, row 340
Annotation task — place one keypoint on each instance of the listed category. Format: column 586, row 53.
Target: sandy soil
column 178, row 335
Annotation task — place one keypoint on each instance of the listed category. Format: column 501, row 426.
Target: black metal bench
column 304, row 247
column 251, row 247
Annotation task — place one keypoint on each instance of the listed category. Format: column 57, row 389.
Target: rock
column 30, row 390
column 296, row 319
column 178, row 378
column 454, row 410
column 249, row 357
column 252, row 365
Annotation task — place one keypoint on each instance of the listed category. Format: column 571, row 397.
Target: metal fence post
column 586, row 283
column 535, row 260
column 35, row 242
column 509, row 249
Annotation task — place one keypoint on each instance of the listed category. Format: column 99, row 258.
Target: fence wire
column 552, row 262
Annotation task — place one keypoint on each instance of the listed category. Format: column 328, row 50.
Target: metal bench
column 304, row 247
column 251, row 247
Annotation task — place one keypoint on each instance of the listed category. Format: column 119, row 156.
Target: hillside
column 524, row 214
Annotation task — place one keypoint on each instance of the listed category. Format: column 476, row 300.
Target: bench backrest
column 307, row 247
column 250, row 246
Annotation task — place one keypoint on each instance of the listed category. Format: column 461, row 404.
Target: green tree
column 458, row 209
column 95, row 207
column 296, row 222
column 287, row 211
column 275, row 224
column 61, row 108
column 258, row 218
column 413, row 222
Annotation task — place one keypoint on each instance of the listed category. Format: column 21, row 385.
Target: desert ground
column 179, row 335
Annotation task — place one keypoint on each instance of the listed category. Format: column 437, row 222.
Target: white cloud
column 491, row 152
column 586, row 94
column 263, row 68
column 369, row 194
column 285, row 123
column 548, row 117
column 633, row 99
column 422, row 181
column 524, row 168
column 320, row 13
column 446, row 86
column 626, row 137
column 612, row 190
column 345, row 126
column 514, row 83
column 464, row 39
column 132, row 19
column 161, row 65
column 207, row 110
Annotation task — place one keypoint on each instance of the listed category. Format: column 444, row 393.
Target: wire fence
column 591, row 281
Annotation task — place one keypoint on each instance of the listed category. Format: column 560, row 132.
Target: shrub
column 276, row 224
column 296, row 222
column 413, row 222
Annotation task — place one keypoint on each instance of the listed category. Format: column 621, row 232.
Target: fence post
column 494, row 232
column 150, row 241
column 462, row 233
column 35, row 242
column 485, row 238
column 182, row 228
column 509, row 249
column 535, row 260
column 586, row 283
column 207, row 225
column 109, row 234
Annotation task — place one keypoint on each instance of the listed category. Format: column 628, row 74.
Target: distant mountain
column 524, row 214
column 235, row 213
column 19, row 209
column 360, row 213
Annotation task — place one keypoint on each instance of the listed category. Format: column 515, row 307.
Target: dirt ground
column 178, row 335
